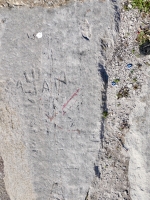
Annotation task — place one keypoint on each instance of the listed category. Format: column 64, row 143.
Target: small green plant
column 135, row 79
column 133, row 51
column 105, row 114
column 142, row 5
column 123, row 92
column 143, row 37
column 117, row 80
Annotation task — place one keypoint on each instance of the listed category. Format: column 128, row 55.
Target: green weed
column 117, row 80
column 142, row 5
column 105, row 114
column 143, row 37
column 135, row 79
column 133, row 51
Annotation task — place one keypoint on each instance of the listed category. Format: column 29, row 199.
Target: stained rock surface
column 33, row 3
column 50, row 96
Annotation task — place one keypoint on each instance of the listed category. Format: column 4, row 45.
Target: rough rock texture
column 56, row 72
column 138, row 141
column 3, row 192
column 57, row 64
column 34, row 3
column 128, row 116
column 52, row 76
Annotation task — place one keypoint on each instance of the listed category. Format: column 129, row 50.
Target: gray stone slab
column 51, row 97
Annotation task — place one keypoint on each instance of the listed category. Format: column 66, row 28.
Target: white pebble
column 130, row 6
column 39, row 35
column 130, row 85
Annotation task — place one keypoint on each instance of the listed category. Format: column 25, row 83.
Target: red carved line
column 70, row 99
column 77, row 130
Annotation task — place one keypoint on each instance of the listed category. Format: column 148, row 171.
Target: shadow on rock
column 104, row 77
column 116, row 14
column 145, row 48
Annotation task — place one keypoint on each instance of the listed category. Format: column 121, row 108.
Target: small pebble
column 113, row 83
column 129, row 65
column 130, row 6
column 129, row 85
column 39, row 35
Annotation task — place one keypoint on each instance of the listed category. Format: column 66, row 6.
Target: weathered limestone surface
column 3, row 192
column 50, row 99
column 33, row 3
column 138, row 141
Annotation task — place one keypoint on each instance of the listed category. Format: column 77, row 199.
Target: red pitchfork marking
column 70, row 100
